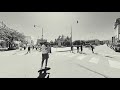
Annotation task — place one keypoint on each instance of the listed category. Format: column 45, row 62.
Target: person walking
column 33, row 46
column 72, row 48
column 40, row 48
column 28, row 49
column 81, row 48
column 49, row 48
column 77, row 48
column 92, row 48
column 24, row 47
column 20, row 48
column 36, row 47
column 45, row 55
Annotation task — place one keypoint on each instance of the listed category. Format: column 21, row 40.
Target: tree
column 10, row 35
column 65, row 40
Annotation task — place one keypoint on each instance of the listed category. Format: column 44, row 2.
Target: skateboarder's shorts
column 45, row 56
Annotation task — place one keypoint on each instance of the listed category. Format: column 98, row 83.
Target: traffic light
column 77, row 21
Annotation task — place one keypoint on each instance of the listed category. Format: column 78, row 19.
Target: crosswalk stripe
column 64, row 54
column 94, row 60
column 117, row 55
column 71, row 55
column 81, row 57
column 57, row 53
column 114, row 64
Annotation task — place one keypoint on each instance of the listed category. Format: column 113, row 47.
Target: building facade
column 117, row 29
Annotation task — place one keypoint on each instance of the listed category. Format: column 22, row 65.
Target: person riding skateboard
column 45, row 55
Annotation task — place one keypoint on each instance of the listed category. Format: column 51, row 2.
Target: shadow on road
column 109, row 56
column 84, row 53
column 16, row 52
column 25, row 53
column 96, row 53
column 72, row 52
column 43, row 73
column 63, row 51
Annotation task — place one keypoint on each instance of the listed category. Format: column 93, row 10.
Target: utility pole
column 71, row 35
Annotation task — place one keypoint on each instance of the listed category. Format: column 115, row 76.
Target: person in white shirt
column 45, row 55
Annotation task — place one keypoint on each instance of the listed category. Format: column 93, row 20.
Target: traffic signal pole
column 71, row 35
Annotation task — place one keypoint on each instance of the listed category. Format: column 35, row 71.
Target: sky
column 91, row 25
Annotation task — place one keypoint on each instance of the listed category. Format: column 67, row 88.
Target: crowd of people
column 80, row 47
column 45, row 48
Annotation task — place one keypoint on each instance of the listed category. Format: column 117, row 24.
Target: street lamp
column 42, row 30
column 71, row 33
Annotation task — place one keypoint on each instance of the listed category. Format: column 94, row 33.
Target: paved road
column 105, row 63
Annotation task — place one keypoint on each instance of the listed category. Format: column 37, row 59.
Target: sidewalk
column 7, row 53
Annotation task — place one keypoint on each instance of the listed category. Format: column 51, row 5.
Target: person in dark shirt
column 72, row 49
column 28, row 49
column 92, row 48
column 24, row 47
column 33, row 46
column 81, row 47
column 77, row 49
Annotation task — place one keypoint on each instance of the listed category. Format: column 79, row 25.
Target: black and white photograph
column 59, row 44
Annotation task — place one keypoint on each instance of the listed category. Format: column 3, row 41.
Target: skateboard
column 45, row 69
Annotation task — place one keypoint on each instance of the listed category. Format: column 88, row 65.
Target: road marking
column 81, row 57
column 93, row 71
column 21, row 54
column 114, row 64
column 71, row 55
column 94, row 60
column 117, row 55
column 57, row 54
column 64, row 54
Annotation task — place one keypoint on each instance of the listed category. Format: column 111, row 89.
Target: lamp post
column 72, row 35
column 42, row 30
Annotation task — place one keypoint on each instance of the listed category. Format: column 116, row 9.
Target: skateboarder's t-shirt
column 44, row 49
